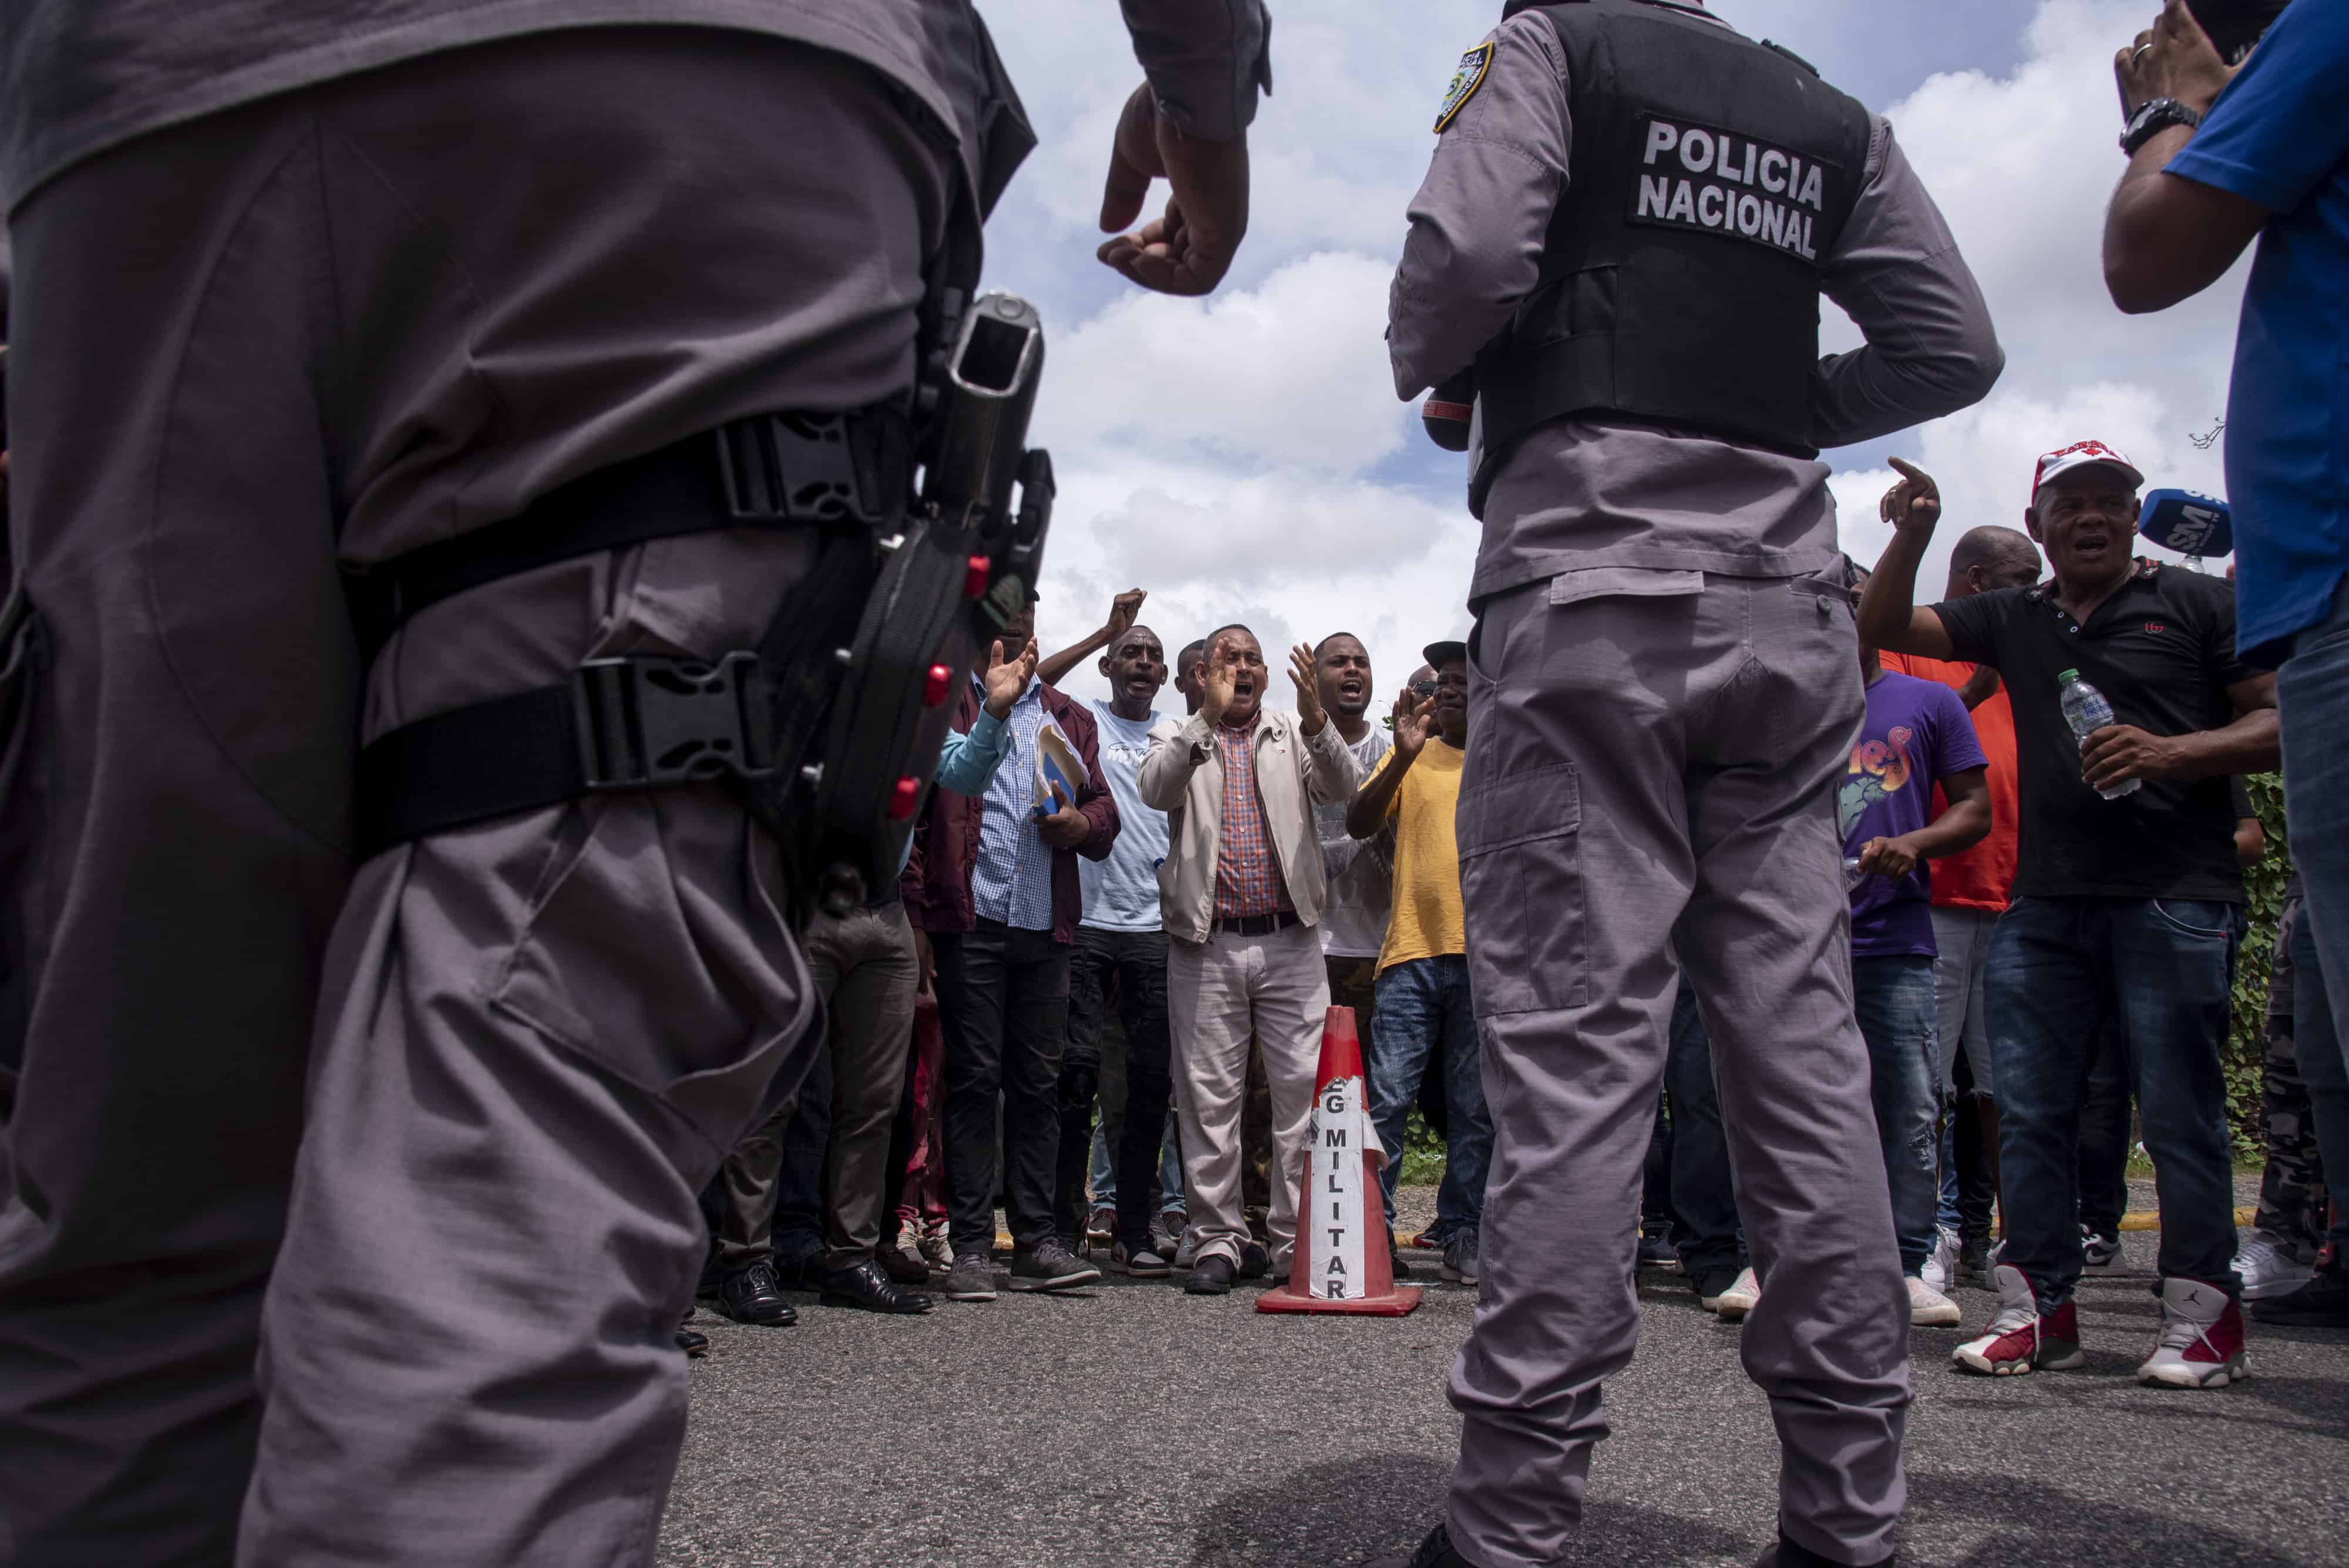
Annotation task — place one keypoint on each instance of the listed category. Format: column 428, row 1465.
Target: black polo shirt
column 2162, row 650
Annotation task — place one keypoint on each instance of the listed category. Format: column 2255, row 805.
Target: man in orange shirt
column 1970, row 890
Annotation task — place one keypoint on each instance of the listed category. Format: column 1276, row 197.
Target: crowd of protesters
column 1097, row 996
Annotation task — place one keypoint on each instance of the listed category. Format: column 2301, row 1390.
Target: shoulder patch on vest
column 1474, row 67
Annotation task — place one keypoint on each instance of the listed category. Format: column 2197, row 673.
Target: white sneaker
column 2201, row 1344
column 1942, row 1266
column 2267, row 1271
column 1929, row 1308
column 1739, row 1299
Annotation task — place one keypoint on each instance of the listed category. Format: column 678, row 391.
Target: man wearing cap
column 2124, row 907
column 1631, row 216
column 1425, row 1006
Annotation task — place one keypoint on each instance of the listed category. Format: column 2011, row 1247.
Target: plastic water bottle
column 2086, row 710
column 1851, row 873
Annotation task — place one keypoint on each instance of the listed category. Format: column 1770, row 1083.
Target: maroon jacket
column 937, row 883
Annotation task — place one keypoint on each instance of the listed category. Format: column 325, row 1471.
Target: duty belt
column 621, row 723
column 832, row 723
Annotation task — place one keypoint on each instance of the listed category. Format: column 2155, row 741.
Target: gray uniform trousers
column 1649, row 771
column 340, row 323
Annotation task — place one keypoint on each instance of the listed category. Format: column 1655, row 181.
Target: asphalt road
column 1130, row 1424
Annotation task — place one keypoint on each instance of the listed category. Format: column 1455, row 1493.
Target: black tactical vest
column 1710, row 176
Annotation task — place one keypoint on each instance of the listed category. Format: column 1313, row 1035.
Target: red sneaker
column 2201, row 1344
column 2020, row 1338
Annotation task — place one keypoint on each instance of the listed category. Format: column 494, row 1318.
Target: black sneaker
column 1435, row 1551
column 1656, row 1252
column 1395, row 1262
column 1051, row 1267
column 1140, row 1262
column 2322, row 1303
column 972, row 1279
column 748, row 1296
column 1210, row 1277
column 1254, row 1262
column 2099, row 1252
column 1973, row 1260
column 1460, row 1256
column 865, row 1286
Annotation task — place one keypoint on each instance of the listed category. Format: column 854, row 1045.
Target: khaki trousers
column 1219, row 992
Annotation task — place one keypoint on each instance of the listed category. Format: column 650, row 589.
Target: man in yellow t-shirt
column 1421, row 998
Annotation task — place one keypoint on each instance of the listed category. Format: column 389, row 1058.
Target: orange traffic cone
column 1341, row 1263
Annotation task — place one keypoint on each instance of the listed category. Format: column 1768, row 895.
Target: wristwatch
column 2155, row 117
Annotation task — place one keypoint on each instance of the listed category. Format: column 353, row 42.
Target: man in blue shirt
column 2226, row 152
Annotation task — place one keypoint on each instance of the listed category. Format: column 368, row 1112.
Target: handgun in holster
column 931, row 516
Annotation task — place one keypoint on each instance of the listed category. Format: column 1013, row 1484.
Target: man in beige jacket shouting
column 1241, row 889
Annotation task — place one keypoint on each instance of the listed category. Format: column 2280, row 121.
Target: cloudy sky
column 1243, row 457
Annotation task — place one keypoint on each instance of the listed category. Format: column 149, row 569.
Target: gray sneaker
column 1460, row 1256
column 972, row 1279
column 1051, row 1267
column 1143, row 1263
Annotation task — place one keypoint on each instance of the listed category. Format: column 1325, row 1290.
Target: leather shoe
column 1210, row 1277
column 901, row 1266
column 693, row 1342
column 866, row 1287
column 749, row 1296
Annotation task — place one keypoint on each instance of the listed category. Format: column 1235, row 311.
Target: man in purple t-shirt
column 1917, row 735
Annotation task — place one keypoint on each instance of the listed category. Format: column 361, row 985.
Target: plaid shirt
column 1247, row 870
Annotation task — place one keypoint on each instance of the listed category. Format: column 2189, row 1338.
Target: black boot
column 1435, row 1551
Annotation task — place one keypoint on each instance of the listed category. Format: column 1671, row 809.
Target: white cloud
column 1291, row 373
column 1242, row 457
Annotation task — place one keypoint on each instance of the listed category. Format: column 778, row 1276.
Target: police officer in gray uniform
column 311, row 291
column 1629, row 219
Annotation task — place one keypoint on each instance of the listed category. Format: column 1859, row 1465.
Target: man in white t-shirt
column 1361, row 871
column 1121, row 943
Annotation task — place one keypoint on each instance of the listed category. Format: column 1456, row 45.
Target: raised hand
column 1006, row 678
column 1914, row 502
column 1189, row 249
column 1414, row 723
column 1219, row 682
column 1308, row 681
column 1123, row 611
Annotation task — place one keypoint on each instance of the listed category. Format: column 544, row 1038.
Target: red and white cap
column 2080, row 454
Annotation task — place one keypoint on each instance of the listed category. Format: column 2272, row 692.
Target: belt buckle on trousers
column 1254, row 925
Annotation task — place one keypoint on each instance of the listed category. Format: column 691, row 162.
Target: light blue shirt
column 1012, row 882
column 1122, row 892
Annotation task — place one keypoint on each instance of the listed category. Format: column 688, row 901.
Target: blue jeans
column 1898, row 1016
column 1103, row 1173
column 1704, row 1200
column 1423, row 1005
column 2312, row 690
column 2061, row 971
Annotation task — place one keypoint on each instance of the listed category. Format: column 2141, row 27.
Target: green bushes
column 2263, row 888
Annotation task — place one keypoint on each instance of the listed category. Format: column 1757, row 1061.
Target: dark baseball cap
column 1439, row 654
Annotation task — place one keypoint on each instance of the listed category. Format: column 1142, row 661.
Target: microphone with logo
column 2192, row 526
